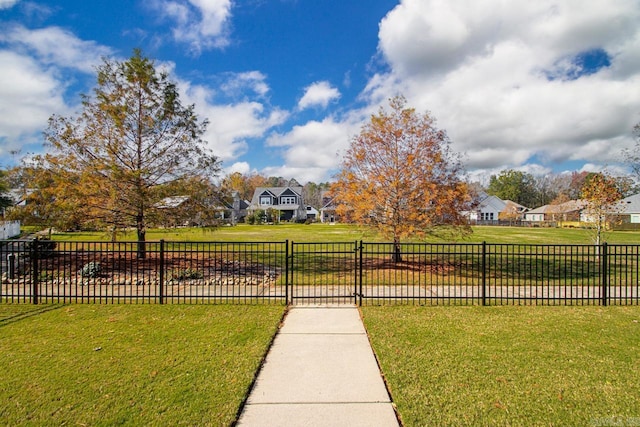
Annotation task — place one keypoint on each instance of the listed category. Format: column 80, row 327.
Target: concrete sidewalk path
column 320, row 371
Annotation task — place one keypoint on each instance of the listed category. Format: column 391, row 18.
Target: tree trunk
column 397, row 251
column 142, row 232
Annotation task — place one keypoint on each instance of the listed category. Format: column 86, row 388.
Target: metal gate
column 324, row 273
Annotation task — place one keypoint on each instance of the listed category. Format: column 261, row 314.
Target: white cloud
column 230, row 125
column 6, row 4
column 318, row 94
column 202, row 24
column 313, row 150
column 56, row 46
column 37, row 69
column 236, row 83
column 483, row 69
column 29, row 94
column 239, row 167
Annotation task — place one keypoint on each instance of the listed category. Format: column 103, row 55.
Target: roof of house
column 566, row 207
column 276, row 192
column 511, row 205
column 492, row 202
column 630, row 204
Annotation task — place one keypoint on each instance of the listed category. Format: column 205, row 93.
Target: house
column 513, row 211
column 312, row 213
column 238, row 208
column 233, row 210
column 287, row 201
column 492, row 209
column 627, row 213
column 328, row 210
column 185, row 210
column 564, row 212
column 489, row 208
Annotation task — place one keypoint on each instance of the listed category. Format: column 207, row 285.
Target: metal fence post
column 161, row 278
column 484, row 273
column 286, row 271
column 11, row 261
column 361, row 262
column 35, row 273
column 604, row 273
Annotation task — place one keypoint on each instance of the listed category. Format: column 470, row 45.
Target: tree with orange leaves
column 400, row 176
column 602, row 195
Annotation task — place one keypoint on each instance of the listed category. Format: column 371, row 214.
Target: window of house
column 265, row 200
column 288, row 200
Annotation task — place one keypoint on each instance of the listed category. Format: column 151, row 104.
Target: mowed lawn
column 130, row 364
column 351, row 233
column 447, row 365
column 510, row 366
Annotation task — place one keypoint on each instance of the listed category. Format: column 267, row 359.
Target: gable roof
column 566, row 207
column 275, row 192
column 630, row 204
column 513, row 206
column 492, row 202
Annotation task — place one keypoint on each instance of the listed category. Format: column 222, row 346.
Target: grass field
column 347, row 233
column 130, row 365
column 192, row 365
column 510, row 366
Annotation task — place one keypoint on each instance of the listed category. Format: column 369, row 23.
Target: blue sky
column 545, row 86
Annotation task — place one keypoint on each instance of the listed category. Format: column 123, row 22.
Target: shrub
column 187, row 274
column 92, row 270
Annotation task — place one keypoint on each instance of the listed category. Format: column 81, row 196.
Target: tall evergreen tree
column 133, row 144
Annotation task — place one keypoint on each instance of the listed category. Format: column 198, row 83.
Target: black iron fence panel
column 542, row 274
column 318, row 273
column 420, row 273
column 131, row 272
column 324, row 273
column 621, row 282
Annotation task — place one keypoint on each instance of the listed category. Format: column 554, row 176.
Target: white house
column 312, row 213
column 488, row 208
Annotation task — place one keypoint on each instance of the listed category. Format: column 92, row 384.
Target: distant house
column 626, row 214
column 231, row 210
column 491, row 209
column 564, row 212
column 312, row 213
column 238, row 208
column 286, row 200
column 328, row 210
column 513, row 211
column 184, row 210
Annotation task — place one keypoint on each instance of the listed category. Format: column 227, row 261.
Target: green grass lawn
column 130, row 364
column 510, row 366
column 349, row 233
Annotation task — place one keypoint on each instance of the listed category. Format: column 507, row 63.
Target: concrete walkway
column 320, row 371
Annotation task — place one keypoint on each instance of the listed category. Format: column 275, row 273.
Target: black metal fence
column 318, row 273
column 169, row 272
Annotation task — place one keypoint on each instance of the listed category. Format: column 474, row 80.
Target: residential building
column 287, row 201
column 328, row 210
column 565, row 212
